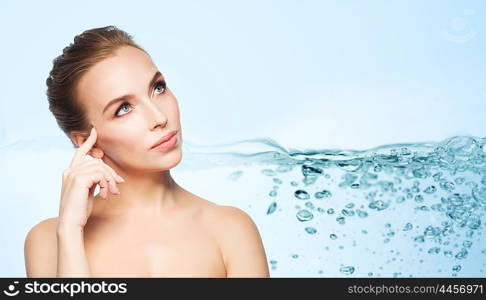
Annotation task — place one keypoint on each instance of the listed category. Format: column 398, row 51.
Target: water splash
column 431, row 197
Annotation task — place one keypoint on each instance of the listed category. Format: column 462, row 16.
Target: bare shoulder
column 40, row 249
column 229, row 215
column 43, row 230
column 240, row 241
column 225, row 220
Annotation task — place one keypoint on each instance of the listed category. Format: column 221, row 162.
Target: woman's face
column 128, row 128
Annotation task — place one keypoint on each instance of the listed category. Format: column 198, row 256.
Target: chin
column 172, row 159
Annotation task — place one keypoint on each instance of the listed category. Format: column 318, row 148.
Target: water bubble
column 400, row 199
column 272, row 208
column 456, row 268
column 350, row 205
column 323, row 194
column 304, row 215
column 378, row 205
column 459, row 180
column 308, row 170
column 333, row 236
column 352, row 165
column 386, row 186
column 430, row 189
column 462, row 146
column 431, row 231
column 447, row 185
column 347, row 213
column 455, row 199
column 467, row 244
column 348, row 270
column 272, row 193
column 277, row 181
column 448, row 253
column 310, row 230
column 462, row 254
column 419, row 198
column 341, row 220
column 294, row 183
column 295, row 256
column 330, row 211
column 437, row 207
column 406, row 151
column 367, row 177
column 471, row 184
column 479, row 194
column 473, row 223
column 420, row 172
column 423, row 208
column 407, row 227
column 434, row 250
column 308, row 180
column 301, row 194
column 419, row 239
column 268, row 172
column 284, row 168
column 437, row 176
column 361, row 213
column 309, row 204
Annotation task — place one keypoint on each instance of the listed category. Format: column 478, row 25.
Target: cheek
column 174, row 109
column 124, row 137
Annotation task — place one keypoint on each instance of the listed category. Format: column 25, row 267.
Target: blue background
column 308, row 74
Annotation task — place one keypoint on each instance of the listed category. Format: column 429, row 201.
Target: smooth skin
column 142, row 223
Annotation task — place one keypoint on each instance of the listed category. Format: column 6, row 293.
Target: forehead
column 127, row 71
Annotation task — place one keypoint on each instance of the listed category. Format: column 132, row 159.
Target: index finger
column 84, row 148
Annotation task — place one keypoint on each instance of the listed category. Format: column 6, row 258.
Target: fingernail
column 121, row 179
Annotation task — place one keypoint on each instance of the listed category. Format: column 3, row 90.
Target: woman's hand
column 79, row 181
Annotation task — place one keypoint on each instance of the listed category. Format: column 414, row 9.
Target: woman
column 109, row 98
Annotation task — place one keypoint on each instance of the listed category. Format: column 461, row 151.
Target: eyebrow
column 131, row 96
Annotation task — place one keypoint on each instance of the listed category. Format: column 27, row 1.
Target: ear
column 79, row 137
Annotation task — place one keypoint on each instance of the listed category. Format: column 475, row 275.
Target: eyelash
column 160, row 83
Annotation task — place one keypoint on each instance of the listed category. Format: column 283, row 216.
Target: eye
column 120, row 107
column 158, row 85
column 161, row 84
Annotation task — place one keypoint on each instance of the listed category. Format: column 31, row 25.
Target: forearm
column 71, row 254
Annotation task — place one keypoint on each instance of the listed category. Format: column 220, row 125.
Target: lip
column 164, row 139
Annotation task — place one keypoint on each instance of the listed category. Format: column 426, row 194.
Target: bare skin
column 187, row 243
column 147, row 226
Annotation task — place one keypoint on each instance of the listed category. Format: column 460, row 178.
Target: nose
column 155, row 115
